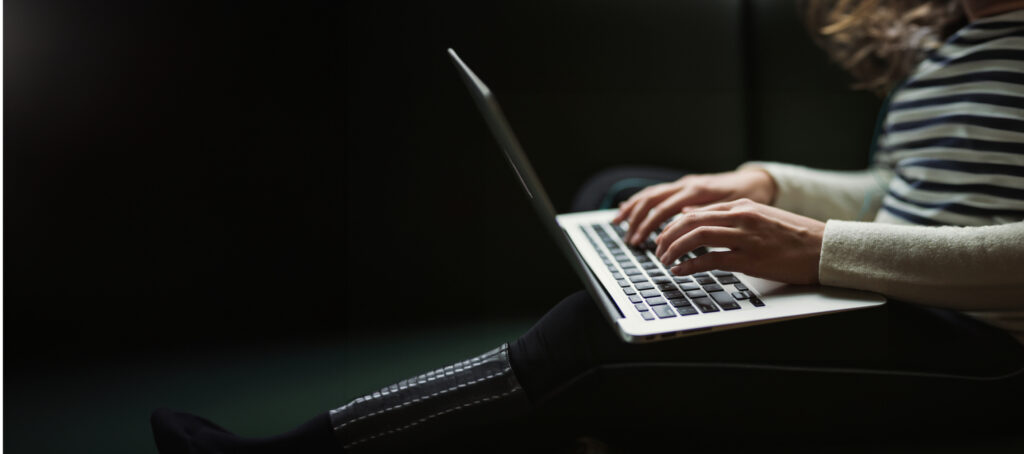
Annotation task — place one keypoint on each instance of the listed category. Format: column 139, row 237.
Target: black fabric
column 461, row 406
column 183, row 433
column 897, row 369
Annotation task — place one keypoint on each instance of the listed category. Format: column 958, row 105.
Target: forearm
column 826, row 194
column 963, row 268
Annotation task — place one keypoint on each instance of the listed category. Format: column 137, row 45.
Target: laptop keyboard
column 654, row 291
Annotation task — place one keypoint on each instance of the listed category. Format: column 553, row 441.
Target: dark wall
column 230, row 171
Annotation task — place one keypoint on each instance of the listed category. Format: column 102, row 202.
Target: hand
column 763, row 241
column 647, row 209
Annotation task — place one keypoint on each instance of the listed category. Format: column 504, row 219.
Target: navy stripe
column 987, row 189
column 910, row 216
column 977, row 98
column 960, row 208
column 1006, row 124
column 981, row 55
column 980, row 76
column 964, row 166
column 963, row 40
column 993, row 25
column 960, row 142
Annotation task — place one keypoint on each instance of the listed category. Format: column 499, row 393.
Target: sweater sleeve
column 827, row 194
column 963, row 268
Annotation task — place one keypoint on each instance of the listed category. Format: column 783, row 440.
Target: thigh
column 895, row 369
column 609, row 187
column 574, row 337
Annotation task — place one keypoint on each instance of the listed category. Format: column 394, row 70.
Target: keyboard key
column 678, row 302
column 701, row 275
column 704, row 280
column 666, row 287
column 632, row 271
column 721, row 297
column 686, row 310
column 635, row 299
column 644, row 286
column 695, row 293
column 656, row 301
column 712, row 287
column 741, row 287
column 720, row 273
column 629, row 290
column 673, row 294
column 664, row 311
column 638, row 278
column 661, row 279
column 649, row 266
column 741, row 295
column 729, row 280
column 623, row 283
column 640, row 307
column 616, row 276
column 704, row 304
column 622, row 258
column 683, row 279
column 656, row 274
column 729, row 306
column 690, row 286
column 756, row 302
column 650, row 293
column 647, row 315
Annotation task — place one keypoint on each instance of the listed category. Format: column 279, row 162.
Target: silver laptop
column 639, row 296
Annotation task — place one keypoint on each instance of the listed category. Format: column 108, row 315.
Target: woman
column 946, row 192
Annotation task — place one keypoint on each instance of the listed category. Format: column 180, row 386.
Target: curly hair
column 880, row 42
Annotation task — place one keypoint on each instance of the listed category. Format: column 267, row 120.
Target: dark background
column 187, row 176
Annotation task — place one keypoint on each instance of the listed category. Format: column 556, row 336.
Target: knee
column 613, row 185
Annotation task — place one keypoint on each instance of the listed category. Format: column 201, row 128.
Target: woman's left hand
column 763, row 241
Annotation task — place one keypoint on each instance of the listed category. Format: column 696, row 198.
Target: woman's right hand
column 653, row 205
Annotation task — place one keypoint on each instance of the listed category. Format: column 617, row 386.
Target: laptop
column 642, row 300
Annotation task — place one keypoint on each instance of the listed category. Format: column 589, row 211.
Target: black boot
column 457, row 407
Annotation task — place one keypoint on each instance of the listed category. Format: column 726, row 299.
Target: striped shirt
column 954, row 131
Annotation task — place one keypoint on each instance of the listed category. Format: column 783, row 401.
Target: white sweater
column 977, row 270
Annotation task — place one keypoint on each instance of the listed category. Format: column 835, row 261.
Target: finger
column 661, row 212
column 640, row 212
column 710, row 236
column 722, row 206
column 689, row 221
column 624, row 209
column 727, row 260
column 627, row 207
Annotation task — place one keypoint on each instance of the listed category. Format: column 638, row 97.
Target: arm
column 964, row 268
column 827, row 194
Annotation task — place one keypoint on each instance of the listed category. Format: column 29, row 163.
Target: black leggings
column 873, row 373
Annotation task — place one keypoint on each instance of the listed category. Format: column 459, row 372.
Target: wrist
column 764, row 187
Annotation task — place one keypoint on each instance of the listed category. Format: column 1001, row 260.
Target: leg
column 868, row 370
column 608, row 188
column 896, row 370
